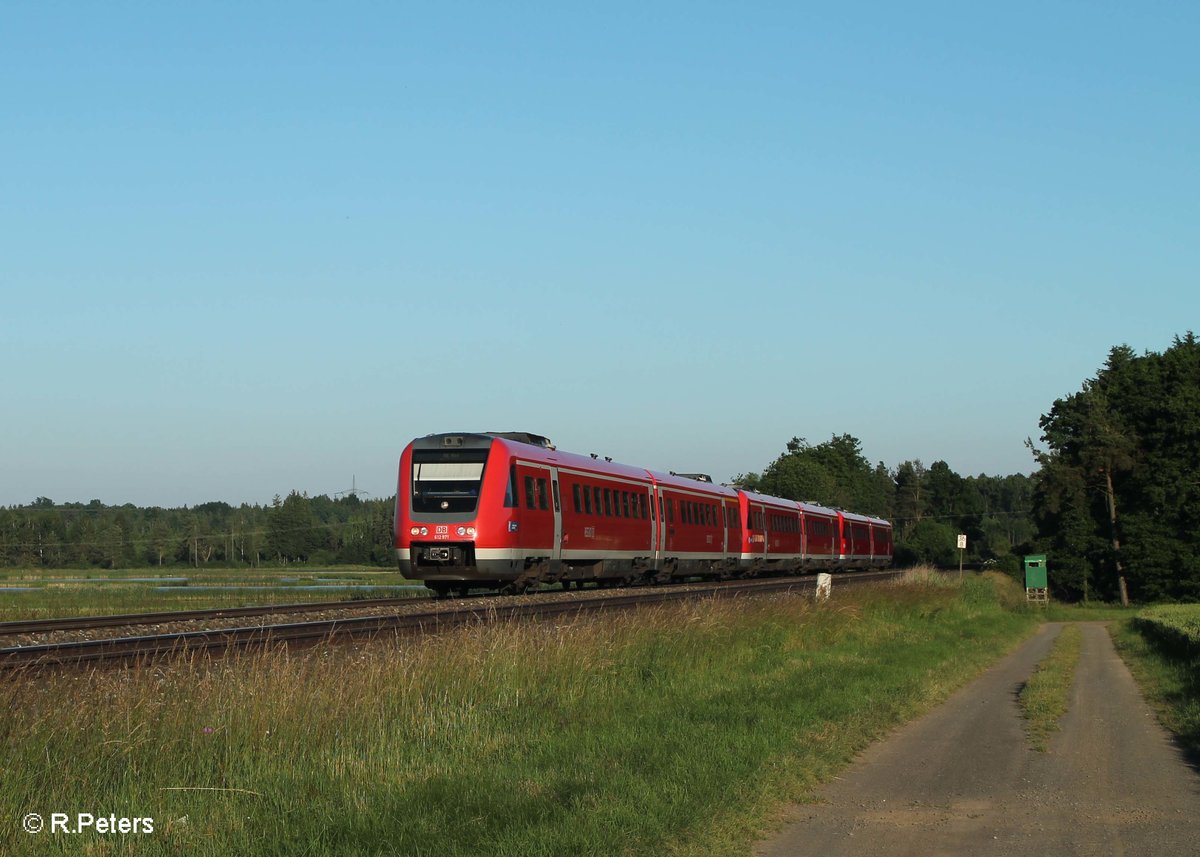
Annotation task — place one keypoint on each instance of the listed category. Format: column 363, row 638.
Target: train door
column 803, row 538
column 758, row 521
column 556, row 554
column 656, row 527
column 540, row 527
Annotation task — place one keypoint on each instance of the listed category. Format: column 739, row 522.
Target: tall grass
column 676, row 729
column 1175, row 625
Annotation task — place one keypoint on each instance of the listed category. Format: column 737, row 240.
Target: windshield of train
column 447, row 480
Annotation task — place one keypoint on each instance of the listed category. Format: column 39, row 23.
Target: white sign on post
column 962, row 541
column 824, row 586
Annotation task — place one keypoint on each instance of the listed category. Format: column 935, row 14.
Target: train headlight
column 424, row 531
column 462, row 531
column 415, row 531
column 471, row 531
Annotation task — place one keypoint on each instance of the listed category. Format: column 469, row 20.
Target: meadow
column 679, row 729
column 42, row 594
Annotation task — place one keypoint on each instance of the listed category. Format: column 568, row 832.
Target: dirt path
column 962, row 780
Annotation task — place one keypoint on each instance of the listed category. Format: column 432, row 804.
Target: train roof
column 817, row 509
column 864, row 519
column 769, row 500
column 595, row 463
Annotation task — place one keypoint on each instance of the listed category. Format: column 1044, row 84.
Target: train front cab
column 456, row 511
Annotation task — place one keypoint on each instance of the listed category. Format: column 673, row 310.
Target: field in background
column 678, row 729
column 42, row 594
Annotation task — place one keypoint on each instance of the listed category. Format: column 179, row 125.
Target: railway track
column 137, row 650
column 123, row 620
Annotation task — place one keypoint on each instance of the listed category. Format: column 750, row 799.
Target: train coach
column 507, row 510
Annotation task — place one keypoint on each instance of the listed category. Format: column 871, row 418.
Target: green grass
column 1046, row 696
column 674, row 730
column 1168, row 674
column 50, row 593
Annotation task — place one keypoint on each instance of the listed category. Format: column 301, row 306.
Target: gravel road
column 962, row 780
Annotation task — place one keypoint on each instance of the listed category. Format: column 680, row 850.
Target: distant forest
column 346, row 530
column 1115, row 502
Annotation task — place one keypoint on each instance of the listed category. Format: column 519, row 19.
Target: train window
column 587, row 500
column 575, row 498
column 670, row 511
column 625, row 504
column 596, row 498
column 683, row 512
column 510, row 493
column 541, row 492
column 608, row 502
column 530, row 503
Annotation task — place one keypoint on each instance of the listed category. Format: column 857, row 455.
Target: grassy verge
column 1169, row 676
column 675, row 730
column 42, row 593
column 1046, row 696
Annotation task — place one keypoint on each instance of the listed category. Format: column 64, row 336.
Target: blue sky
column 247, row 248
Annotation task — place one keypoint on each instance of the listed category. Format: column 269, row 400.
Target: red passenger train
column 507, row 510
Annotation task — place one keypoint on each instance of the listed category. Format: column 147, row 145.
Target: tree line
column 298, row 528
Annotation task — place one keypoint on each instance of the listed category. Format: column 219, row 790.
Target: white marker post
column 824, row 586
column 962, row 545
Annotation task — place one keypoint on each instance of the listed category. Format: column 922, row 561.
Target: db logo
column 442, row 530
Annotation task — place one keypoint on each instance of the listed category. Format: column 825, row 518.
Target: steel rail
column 143, row 649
